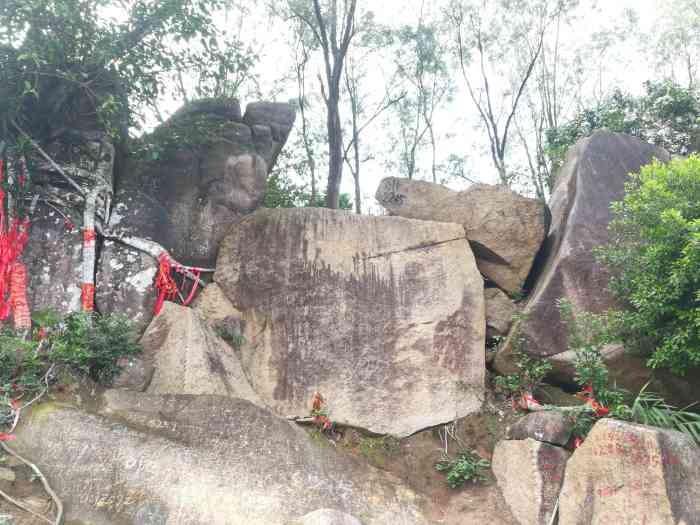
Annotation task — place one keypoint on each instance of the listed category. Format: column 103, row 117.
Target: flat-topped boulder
column 504, row 229
column 383, row 316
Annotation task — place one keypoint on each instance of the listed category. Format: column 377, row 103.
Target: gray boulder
column 189, row 358
column 499, row 313
column 383, row 316
column 199, row 460
column 593, row 176
column 530, row 474
column 548, row 426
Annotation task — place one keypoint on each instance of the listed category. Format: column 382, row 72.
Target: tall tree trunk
column 335, row 153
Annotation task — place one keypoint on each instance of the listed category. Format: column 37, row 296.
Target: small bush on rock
column 88, row 344
column 467, row 466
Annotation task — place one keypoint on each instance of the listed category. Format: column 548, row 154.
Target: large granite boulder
column 627, row 473
column 530, row 474
column 504, row 229
column 199, row 460
column 593, row 176
column 383, row 316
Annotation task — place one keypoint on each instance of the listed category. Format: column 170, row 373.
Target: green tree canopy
column 667, row 115
column 654, row 255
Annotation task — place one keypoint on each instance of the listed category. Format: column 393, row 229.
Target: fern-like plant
column 651, row 409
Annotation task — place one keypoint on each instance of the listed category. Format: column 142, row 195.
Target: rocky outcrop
column 530, row 474
column 199, row 460
column 499, row 313
column 593, row 176
column 53, row 254
column 383, row 316
column 189, row 358
column 505, row 230
column 53, row 257
column 212, row 170
column 627, row 473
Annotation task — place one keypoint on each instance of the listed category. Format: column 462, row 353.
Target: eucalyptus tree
column 332, row 24
column 371, row 90
column 420, row 55
column 498, row 44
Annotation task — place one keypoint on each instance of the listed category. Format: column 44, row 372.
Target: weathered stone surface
column 530, row 474
column 199, row 460
column 627, row 473
column 593, row 176
column 270, row 119
column 189, row 358
column 203, row 189
column 53, row 257
column 126, row 276
column 499, row 312
column 326, row 517
column 505, row 230
column 213, row 305
column 382, row 315
column 135, row 374
column 549, row 426
column 625, row 370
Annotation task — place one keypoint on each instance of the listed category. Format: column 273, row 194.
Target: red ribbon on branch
column 13, row 274
column 167, row 286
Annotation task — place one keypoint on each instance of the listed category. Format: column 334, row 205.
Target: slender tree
column 492, row 45
column 333, row 28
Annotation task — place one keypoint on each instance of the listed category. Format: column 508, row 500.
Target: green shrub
column 654, row 257
column 88, row 344
column 531, row 372
column 468, row 466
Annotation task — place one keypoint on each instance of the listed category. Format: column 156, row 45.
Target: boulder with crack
column 189, row 358
column 504, row 229
column 530, row 474
column 383, row 316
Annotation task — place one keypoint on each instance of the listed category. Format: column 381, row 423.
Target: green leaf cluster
column 667, row 115
column 88, row 344
column 654, row 257
column 467, row 466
